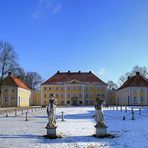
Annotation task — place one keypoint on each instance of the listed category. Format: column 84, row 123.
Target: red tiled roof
column 64, row 77
column 135, row 81
column 14, row 81
column 19, row 83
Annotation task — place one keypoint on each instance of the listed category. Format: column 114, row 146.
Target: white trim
column 41, row 96
column 65, row 94
column 145, row 96
column 139, row 102
column 83, row 93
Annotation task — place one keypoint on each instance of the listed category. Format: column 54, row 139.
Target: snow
column 77, row 129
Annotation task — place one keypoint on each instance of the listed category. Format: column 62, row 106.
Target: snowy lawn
column 77, row 129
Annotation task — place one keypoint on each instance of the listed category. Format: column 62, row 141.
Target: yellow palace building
column 73, row 88
column 36, row 98
column 14, row 93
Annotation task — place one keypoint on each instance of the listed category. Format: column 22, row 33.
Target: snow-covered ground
column 77, row 129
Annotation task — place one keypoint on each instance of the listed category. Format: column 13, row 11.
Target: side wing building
column 133, row 92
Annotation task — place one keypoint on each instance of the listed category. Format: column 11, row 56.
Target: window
column 74, row 88
column 68, row 102
column 79, row 87
column 6, row 90
column 68, row 95
column 12, row 90
column 5, row 99
column 86, row 95
column 44, row 95
column 56, row 88
column 80, row 102
column 61, row 88
column 141, row 90
column 80, row 95
column 68, row 88
column 45, row 88
column 12, row 97
column 86, row 102
column 91, row 102
column 49, row 88
column 103, row 88
column 62, row 95
column 91, row 95
column 91, row 88
column 74, row 95
column 57, row 95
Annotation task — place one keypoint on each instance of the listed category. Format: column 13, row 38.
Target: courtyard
column 77, row 129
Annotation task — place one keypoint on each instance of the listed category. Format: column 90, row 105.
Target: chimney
column 58, row 71
column 89, row 71
column 137, row 73
column 129, row 77
column 9, row 73
column 79, row 71
column 68, row 71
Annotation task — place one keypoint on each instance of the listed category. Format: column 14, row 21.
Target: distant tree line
column 9, row 63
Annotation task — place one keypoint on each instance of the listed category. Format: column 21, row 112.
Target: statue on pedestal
column 51, row 112
column 99, row 114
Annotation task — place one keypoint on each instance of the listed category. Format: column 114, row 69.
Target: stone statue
column 51, row 111
column 99, row 114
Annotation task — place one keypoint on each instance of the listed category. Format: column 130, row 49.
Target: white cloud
column 45, row 7
column 102, row 71
column 57, row 9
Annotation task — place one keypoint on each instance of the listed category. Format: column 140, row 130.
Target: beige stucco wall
column 110, row 97
column 8, row 96
column 23, row 97
column 132, row 96
column 36, row 97
column 121, row 96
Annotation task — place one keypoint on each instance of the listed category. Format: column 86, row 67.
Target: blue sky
column 107, row 37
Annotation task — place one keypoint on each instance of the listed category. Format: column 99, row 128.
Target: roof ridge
column 64, row 77
column 22, row 85
column 135, row 81
column 136, row 77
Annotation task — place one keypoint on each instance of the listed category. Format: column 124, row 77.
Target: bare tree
column 20, row 73
column 112, row 85
column 7, row 60
column 33, row 80
column 142, row 70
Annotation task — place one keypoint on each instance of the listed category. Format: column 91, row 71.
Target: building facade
column 110, row 97
column 73, row 88
column 133, row 92
column 36, row 97
column 14, row 93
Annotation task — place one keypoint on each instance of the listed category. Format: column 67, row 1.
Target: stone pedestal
column 101, row 131
column 51, row 132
